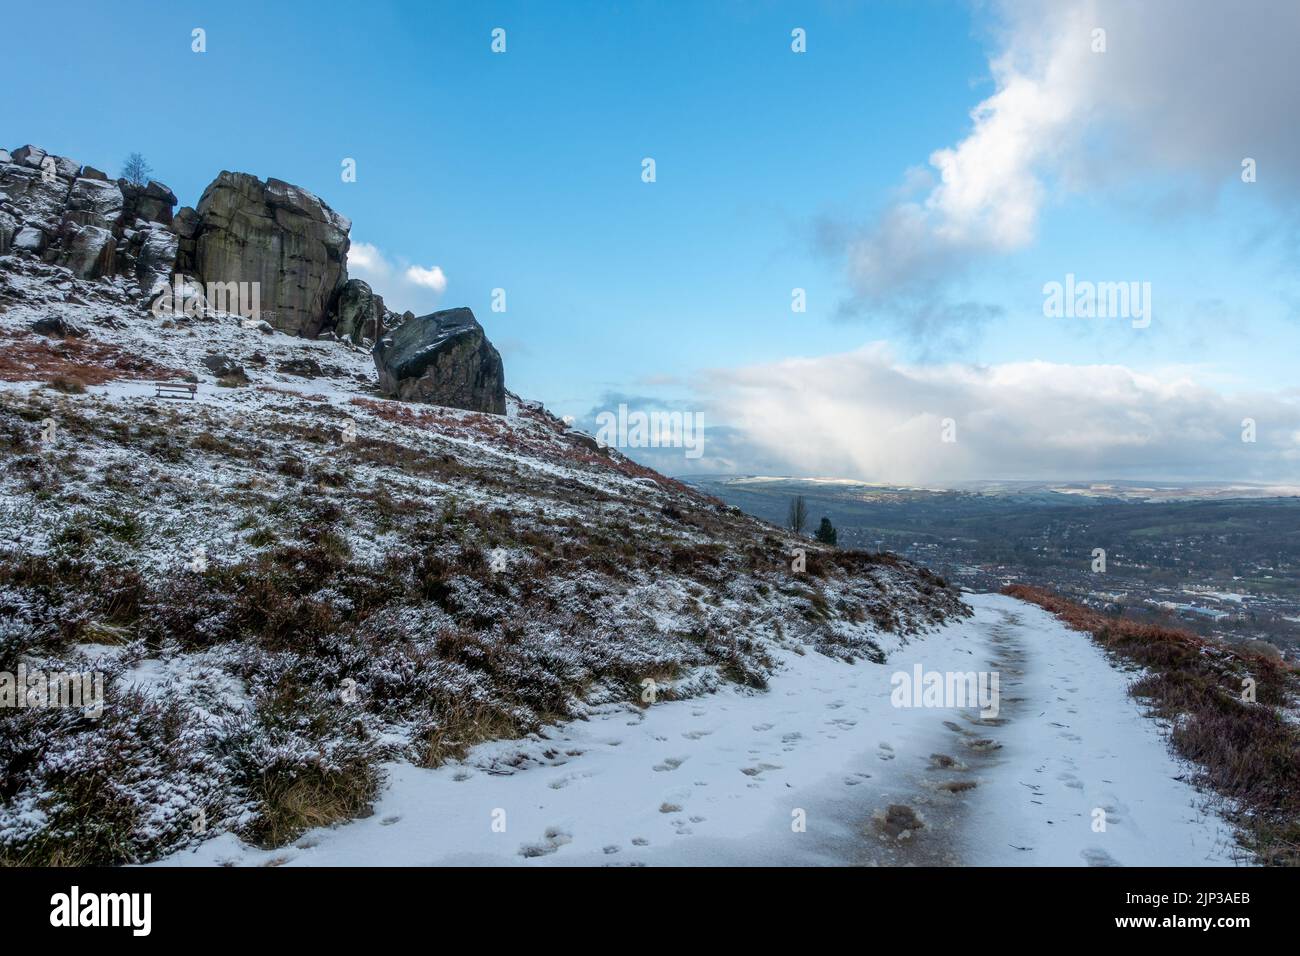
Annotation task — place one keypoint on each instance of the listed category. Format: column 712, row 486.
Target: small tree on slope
column 826, row 532
column 798, row 516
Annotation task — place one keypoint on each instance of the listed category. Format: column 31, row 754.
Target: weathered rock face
column 36, row 198
column 186, row 226
column 89, row 251
column 152, row 202
column 72, row 215
column 442, row 359
column 155, row 257
column 359, row 313
column 93, row 202
column 244, row 230
column 8, row 228
column 277, row 235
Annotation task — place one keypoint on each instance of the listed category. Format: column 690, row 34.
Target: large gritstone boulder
column 442, row 359
column 278, row 235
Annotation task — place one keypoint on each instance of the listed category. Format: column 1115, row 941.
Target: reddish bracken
column 29, row 358
column 1246, row 747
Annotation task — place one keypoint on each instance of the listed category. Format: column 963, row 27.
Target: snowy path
column 725, row 779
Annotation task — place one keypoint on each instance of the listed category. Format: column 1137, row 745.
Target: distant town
column 1217, row 561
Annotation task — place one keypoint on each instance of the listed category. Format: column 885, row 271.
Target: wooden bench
column 175, row 390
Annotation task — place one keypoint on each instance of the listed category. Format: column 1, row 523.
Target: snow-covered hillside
column 729, row 778
column 291, row 581
column 340, row 629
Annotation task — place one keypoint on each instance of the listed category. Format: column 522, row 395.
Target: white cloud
column 864, row 415
column 1184, row 91
column 365, row 261
column 431, row 278
column 402, row 286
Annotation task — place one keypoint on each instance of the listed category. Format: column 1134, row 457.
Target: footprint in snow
column 898, row 820
column 762, row 727
column 886, row 752
column 1097, row 857
column 640, row 841
column 669, row 763
column 958, row 786
column 985, row 721
column 554, row 838
column 389, row 821
column 1070, row 780
column 696, row 734
column 559, row 783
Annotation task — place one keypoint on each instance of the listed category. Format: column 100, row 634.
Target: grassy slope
column 445, row 577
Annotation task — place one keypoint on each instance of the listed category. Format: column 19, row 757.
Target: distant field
column 1031, row 533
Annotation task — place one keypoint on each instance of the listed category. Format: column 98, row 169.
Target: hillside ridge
column 293, row 580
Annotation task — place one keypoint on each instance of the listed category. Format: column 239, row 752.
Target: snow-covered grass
column 360, row 581
column 820, row 768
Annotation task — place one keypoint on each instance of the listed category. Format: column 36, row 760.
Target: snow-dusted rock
column 181, row 297
column 8, row 226
column 30, row 239
column 93, row 202
column 222, row 366
column 443, row 358
column 151, row 203
column 37, row 198
column 358, row 312
column 156, row 258
column 29, row 155
column 59, row 325
column 66, row 168
column 87, row 250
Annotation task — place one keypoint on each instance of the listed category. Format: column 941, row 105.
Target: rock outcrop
column 359, row 313
column 278, row 235
column 443, row 358
column 74, row 216
column 243, row 230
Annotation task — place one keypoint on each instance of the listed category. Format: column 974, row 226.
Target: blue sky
column 775, row 170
